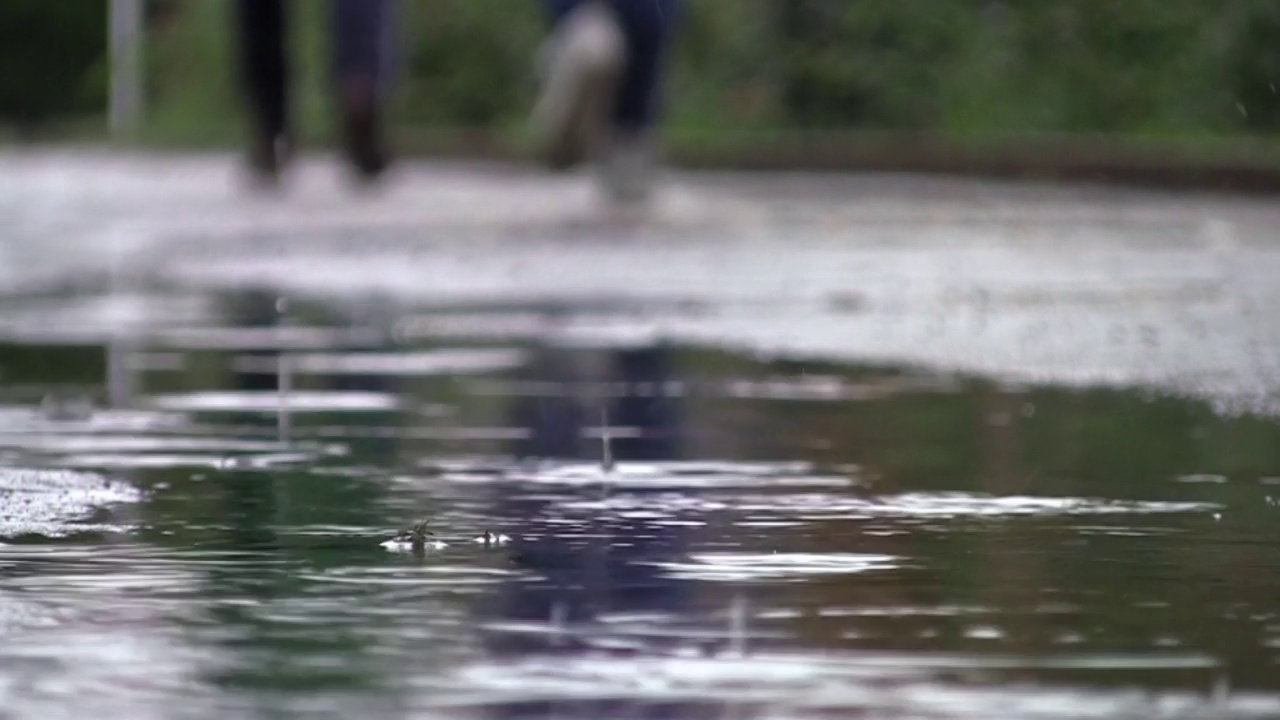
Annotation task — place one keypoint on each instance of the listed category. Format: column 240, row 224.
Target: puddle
column 646, row 476
column 955, row 505
column 272, row 402
column 27, row 420
column 693, row 532
column 18, row 614
column 441, row 575
column 261, row 461
column 68, row 444
column 732, row 567
column 803, row 506
column 815, row 686
column 440, row 362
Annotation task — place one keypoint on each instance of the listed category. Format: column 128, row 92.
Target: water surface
column 695, row 532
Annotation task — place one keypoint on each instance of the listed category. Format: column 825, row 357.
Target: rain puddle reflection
column 685, row 532
column 730, row 567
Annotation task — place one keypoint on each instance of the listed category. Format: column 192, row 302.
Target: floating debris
column 414, row 540
column 489, row 538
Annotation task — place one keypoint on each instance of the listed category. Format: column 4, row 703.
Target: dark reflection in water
column 272, row 367
column 256, row 308
column 610, row 568
column 254, row 576
column 255, row 580
column 237, row 589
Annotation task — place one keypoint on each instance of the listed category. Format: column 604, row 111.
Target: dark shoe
column 268, row 157
column 364, row 144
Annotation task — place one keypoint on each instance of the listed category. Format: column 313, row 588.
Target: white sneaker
column 583, row 60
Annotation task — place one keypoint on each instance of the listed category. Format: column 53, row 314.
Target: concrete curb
column 1235, row 168
column 1229, row 166
column 1232, row 166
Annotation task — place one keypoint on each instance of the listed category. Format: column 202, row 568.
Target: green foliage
column 53, row 55
column 1175, row 67
column 467, row 62
column 724, row 67
column 190, row 70
column 1137, row 66
column 1140, row 66
column 1254, row 64
column 873, row 64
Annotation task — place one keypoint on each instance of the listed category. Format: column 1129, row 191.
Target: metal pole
column 125, row 46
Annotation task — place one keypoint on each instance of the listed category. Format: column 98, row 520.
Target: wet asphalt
column 1022, row 282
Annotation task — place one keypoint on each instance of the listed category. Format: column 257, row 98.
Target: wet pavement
column 790, row 446
column 1085, row 286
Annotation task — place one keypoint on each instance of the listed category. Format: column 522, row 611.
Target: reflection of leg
column 265, row 74
column 363, row 32
column 646, row 372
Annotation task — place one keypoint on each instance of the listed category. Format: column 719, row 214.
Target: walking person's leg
column 646, row 26
column 602, row 87
column 364, row 33
column 582, row 63
column 628, row 162
column 264, row 70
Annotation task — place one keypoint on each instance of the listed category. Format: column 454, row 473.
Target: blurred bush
column 467, row 62
column 54, row 59
column 1176, row 67
column 1253, row 69
column 865, row 63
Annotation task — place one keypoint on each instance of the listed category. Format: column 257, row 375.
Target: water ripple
column 876, row 684
column 730, row 567
column 271, row 402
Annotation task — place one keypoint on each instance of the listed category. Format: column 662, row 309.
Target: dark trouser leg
column 364, row 43
column 263, row 65
column 647, row 26
column 364, row 46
